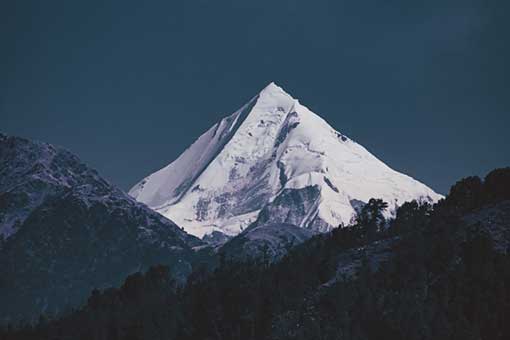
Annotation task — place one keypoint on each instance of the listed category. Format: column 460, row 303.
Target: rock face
column 65, row 231
column 269, row 242
column 273, row 155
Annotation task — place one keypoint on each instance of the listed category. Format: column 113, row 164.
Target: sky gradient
column 127, row 86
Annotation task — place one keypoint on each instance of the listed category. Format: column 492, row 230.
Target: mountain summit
column 273, row 161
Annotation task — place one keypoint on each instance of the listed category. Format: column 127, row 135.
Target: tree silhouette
column 371, row 217
column 441, row 279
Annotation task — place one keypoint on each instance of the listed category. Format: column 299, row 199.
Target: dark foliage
column 497, row 184
column 443, row 280
column 371, row 217
column 471, row 193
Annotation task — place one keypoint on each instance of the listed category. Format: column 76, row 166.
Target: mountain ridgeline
column 437, row 271
column 273, row 162
column 64, row 231
column 305, row 235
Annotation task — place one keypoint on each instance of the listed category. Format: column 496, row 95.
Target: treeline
column 472, row 193
column 444, row 280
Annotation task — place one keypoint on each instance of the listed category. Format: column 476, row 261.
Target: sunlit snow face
column 261, row 158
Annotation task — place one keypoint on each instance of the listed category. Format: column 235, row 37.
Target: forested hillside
column 434, row 272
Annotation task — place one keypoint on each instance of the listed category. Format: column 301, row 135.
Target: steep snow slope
column 277, row 155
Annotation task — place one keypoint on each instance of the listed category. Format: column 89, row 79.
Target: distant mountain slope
column 66, row 231
column 277, row 155
column 267, row 243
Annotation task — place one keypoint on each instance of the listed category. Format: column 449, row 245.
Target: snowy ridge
column 64, row 230
column 273, row 161
column 32, row 171
column 167, row 185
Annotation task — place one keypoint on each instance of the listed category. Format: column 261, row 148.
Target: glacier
column 273, row 161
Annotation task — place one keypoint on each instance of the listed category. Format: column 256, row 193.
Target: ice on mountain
column 270, row 151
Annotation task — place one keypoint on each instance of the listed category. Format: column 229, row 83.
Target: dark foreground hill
column 65, row 231
column 439, row 272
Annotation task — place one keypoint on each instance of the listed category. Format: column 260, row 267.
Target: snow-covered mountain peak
column 272, row 87
column 273, row 160
column 275, row 100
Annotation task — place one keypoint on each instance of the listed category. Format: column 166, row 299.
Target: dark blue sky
column 128, row 85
